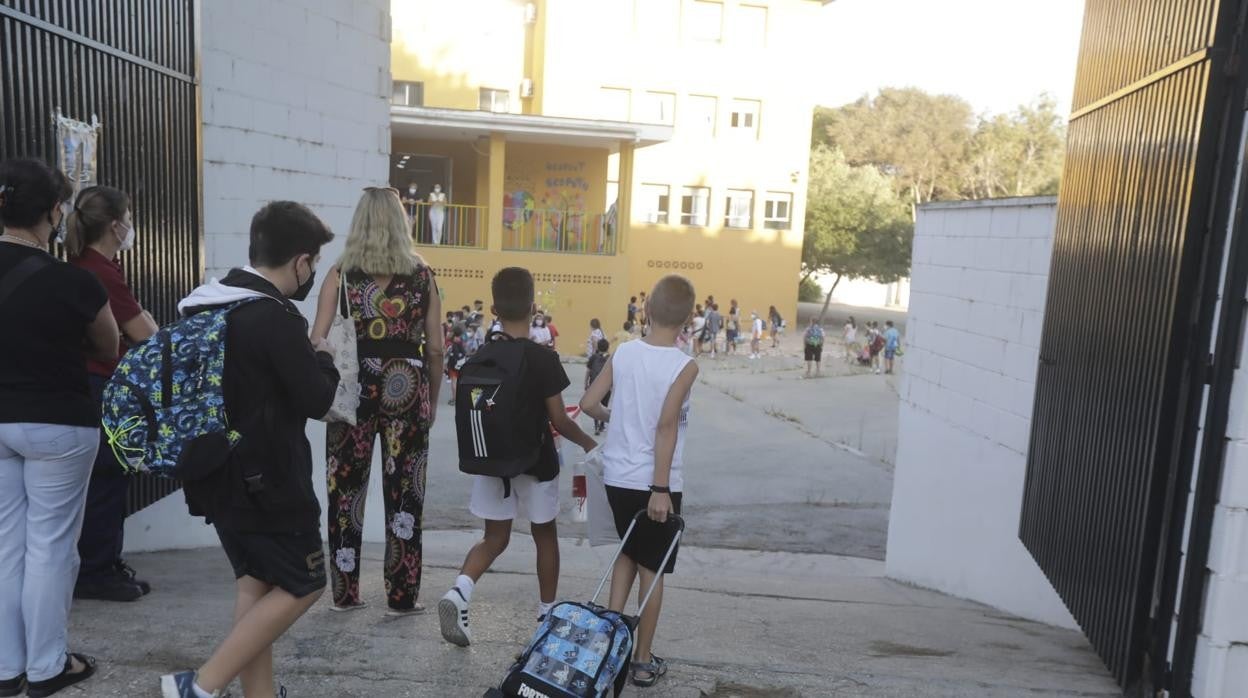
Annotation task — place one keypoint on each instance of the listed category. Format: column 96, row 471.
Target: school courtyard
column 780, row 591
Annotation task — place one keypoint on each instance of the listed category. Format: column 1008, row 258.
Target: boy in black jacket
column 262, row 502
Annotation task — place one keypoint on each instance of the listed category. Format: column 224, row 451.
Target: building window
column 659, row 108
column 658, row 20
column 408, row 94
column 749, row 26
column 744, row 118
column 700, row 115
column 739, row 211
column 614, row 103
column 778, row 211
column 695, row 206
column 654, row 203
column 706, row 20
column 495, row 100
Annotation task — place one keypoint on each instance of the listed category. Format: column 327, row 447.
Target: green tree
column 856, row 226
column 1018, row 154
column 920, row 140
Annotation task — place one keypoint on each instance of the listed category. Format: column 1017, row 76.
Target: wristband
column 660, row 490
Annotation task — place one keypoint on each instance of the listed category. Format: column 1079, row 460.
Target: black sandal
column 656, row 668
column 65, row 679
column 13, row 687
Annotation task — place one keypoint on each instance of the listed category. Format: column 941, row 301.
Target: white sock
column 199, row 692
column 465, row 584
column 543, row 608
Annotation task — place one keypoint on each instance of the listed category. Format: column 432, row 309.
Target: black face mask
column 305, row 288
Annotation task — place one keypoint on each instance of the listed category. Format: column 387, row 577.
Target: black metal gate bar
column 133, row 63
column 1112, row 393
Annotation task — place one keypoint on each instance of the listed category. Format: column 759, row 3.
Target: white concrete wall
column 295, row 106
column 978, row 285
column 1221, row 669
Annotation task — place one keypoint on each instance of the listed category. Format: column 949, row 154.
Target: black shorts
column 650, row 539
column 294, row 562
column 814, row 353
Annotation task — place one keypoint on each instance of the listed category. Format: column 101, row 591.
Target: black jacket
column 274, row 382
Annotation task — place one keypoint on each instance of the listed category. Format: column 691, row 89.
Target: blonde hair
column 380, row 239
column 671, row 301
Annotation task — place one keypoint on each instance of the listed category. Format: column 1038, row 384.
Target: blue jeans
column 44, row 469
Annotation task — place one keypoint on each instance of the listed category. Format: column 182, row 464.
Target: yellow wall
column 572, row 288
column 457, row 47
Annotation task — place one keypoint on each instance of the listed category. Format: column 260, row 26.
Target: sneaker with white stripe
column 453, row 617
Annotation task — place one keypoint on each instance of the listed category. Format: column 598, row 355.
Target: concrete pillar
column 624, row 212
column 494, row 192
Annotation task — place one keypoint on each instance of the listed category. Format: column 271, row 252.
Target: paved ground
column 773, row 461
column 784, row 476
column 737, row 623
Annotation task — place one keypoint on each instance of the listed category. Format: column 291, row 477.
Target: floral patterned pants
column 405, row 456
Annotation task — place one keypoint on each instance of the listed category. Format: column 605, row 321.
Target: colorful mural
column 548, row 198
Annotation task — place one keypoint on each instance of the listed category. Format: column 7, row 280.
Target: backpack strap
column 21, row 273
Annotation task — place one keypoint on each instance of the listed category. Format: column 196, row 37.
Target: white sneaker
column 453, row 616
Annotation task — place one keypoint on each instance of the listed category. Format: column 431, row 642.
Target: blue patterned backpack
column 578, row 650
column 581, row 650
column 164, row 407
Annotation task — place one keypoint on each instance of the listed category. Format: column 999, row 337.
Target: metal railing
column 552, row 230
column 461, row 225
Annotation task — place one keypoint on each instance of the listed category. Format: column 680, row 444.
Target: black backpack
column 501, row 430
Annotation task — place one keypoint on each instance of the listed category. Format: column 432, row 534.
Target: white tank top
column 641, row 376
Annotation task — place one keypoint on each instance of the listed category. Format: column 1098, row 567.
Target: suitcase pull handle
column 680, row 531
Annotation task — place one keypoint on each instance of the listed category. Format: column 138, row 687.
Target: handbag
column 342, row 339
column 600, row 526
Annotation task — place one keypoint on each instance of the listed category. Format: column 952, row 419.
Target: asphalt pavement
column 779, row 590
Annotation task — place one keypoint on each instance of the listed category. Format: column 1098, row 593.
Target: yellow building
column 605, row 143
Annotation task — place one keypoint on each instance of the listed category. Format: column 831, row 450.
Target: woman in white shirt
column 539, row 332
column 850, row 336
column 699, row 324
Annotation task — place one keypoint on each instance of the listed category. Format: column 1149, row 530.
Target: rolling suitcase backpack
column 581, row 650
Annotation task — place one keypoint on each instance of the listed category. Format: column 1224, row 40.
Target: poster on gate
column 77, row 145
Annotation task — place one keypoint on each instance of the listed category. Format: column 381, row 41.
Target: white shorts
column 530, row 499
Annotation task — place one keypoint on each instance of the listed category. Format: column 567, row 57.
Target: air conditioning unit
column 530, row 13
column 526, row 88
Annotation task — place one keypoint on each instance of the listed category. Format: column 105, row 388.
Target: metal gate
column 1111, row 443
column 133, row 63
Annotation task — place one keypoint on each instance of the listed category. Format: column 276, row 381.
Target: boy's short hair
column 604, row 346
column 671, row 301
column 513, row 293
column 283, row 230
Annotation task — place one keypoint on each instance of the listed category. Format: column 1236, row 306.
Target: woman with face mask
column 49, row 427
column 100, row 227
column 539, row 333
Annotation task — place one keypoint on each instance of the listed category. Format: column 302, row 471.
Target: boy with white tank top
column 650, row 382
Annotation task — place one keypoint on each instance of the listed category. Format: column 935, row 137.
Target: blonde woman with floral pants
column 394, row 302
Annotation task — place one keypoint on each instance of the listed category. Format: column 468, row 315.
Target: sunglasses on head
column 392, row 190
